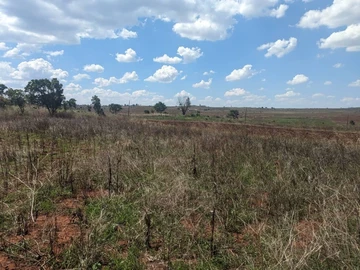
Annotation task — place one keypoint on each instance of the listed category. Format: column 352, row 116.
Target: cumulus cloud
column 70, row 21
column 189, row 54
column 286, row 95
column 94, row 68
column 28, row 70
column 72, row 87
column 108, row 96
column 166, row 74
column 184, row 77
column 129, row 56
column 22, row 50
column 165, row 59
column 340, row 13
column 54, row 53
column 235, row 92
column 81, row 76
column 243, row 73
column 183, row 93
column 279, row 48
column 355, row 84
column 3, row 46
column 203, row 84
column 127, row 77
column 126, row 34
column 298, row 79
column 348, row 39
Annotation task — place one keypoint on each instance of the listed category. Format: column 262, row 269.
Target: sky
column 253, row 53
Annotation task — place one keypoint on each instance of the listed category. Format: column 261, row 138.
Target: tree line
column 50, row 95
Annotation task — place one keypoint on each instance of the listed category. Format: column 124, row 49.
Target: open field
column 304, row 118
column 149, row 192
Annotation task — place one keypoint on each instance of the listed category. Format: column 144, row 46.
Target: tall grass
column 174, row 197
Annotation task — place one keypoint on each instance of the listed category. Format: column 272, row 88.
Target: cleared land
column 150, row 192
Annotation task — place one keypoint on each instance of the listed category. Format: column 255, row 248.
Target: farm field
column 148, row 191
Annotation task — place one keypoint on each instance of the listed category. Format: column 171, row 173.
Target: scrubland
column 116, row 192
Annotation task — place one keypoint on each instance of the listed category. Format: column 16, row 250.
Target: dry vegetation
column 90, row 192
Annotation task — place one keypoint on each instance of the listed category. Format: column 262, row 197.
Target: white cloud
column 279, row 48
column 338, row 65
column 351, row 100
column 355, row 84
column 184, row 77
column 298, row 79
column 340, row 13
column 28, row 70
column 127, row 77
column 165, row 59
column 129, row 56
column 318, row 95
column 249, row 8
column 126, row 34
column 22, row 50
column 235, row 92
column 108, row 96
column 68, row 22
column 203, row 29
column 328, row 83
column 189, row 54
column 72, row 87
column 183, row 93
column 286, row 96
column 243, row 73
column 54, row 53
column 94, row 68
column 81, row 76
column 166, row 74
column 348, row 39
column 3, row 46
column 203, row 84
column 208, row 73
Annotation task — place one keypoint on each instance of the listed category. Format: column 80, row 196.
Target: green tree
column 234, row 114
column 46, row 93
column 3, row 87
column 72, row 103
column 184, row 103
column 160, row 107
column 17, row 98
column 95, row 100
column 115, row 108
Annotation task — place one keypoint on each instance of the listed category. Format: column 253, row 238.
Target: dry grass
column 118, row 193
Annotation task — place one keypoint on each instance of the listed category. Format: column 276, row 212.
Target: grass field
column 152, row 192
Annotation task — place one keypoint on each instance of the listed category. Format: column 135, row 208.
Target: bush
column 146, row 111
column 352, row 122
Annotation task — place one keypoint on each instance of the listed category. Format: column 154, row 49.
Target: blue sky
column 289, row 53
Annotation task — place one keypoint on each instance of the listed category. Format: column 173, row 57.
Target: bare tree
column 184, row 103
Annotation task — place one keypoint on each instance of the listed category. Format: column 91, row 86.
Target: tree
column 115, row 108
column 160, row 107
column 95, row 100
column 234, row 114
column 46, row 93
column 3, row 87
column 17, row 98
column 72, row 103
column 184, row 103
